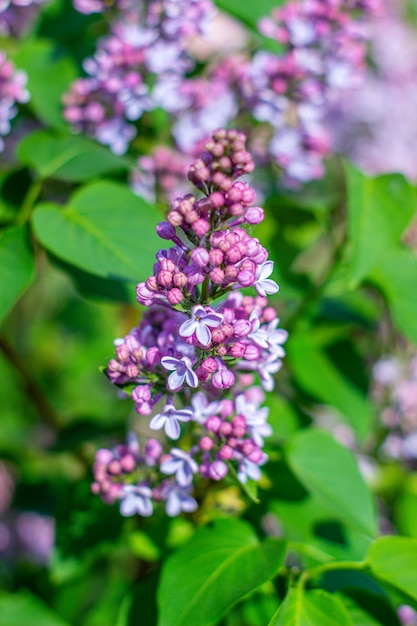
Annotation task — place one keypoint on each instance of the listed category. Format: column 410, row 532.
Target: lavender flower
column 182, row 371
column 181, row 464
column 136, row 499
column 202, row 319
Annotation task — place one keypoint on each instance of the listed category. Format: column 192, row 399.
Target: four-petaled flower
column 182, row 369
column 181, row 464
column 169, row 420
column 263, row 284
column 178, row 499
column 136, row 499
column 200, row 323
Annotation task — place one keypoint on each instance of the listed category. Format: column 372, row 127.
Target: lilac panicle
column 191, row 363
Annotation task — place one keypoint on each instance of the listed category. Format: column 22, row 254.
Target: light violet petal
column 270, row 286
column 170, row 363
column 128, row 506
column 189, row 504
column 213, row 319
column 203, row 334
column 173, row 505
column 266, row 270
column 170, row 466
column 188, row 327
column 157, row 421
column 145, row 507
column 175, row 381
column 191, row 378
column 184, row 475
column 172, row 428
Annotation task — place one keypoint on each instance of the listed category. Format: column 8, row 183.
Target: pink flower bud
column 226, row 453
column 216, row 256
column 217, row 275
column 218, row 470
column 227, row 408
column 236, row 209
column 254, row 215
column 114, row 468
column 230, row 273
column 256, row 456
column 201, row 227
column 216, row 199
column 213, row 423
column 225, row 429
column 180, row 280
column 200, row 257
column 234, row 254
column 248, row 447
column 144, row 295
column 175, row 218
column 252, row 352
column 246, row 278
column 153, row 356
column 242, row 328
column 164, row 278
column 206, row 443
column 191, row 217
column 217, row 335
column 153, row 449
column 104, row 456
column 223, row 379
column 237, row 350
column 128, row 463
column 269, row 314
column 152, row 283
column 175, row 296
column 209, row 365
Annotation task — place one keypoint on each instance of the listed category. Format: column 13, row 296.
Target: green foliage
column 18, row 267
column 68, row 158
column 330, row 472
column 105, row 230
column 311, row 608
column 393, row 560
column 204, row 579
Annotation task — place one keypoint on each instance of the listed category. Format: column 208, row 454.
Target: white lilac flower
column 200, row 323
column 181, row 370
column 136, row 499
column 263, row 284
column 181, row 464
column 267, row 365
column 276, row 337
column 248, row 469
column 169, row 420
column 256, row 419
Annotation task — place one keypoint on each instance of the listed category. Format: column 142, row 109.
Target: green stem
column 328, row 567
column 28, row 202
column 34, row 391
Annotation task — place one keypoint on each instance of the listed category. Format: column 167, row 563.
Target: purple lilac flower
column 12, row 91
column 179, row 499
column 181, row 371
column 263, row 284
column 136, row 499
column 181, row 464
column 202, row 319
column 169, row 420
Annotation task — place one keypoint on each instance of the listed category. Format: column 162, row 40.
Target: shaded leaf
column 330, row 472
column 49, row 76
column 380, row 209
column 18, row 267
column 318, row 375
column 217, row 567
column 396, row 275
column 394, row 560
column 23, row 608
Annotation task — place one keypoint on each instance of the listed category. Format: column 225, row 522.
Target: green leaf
column 105, row 230
column 217, row 567
column 67, row 157
column 380, row 209
column 394, row 560
column 249, row 12
column 49, row 77
column 396, row 275
column 330, row 472
column 312, row 608
column 18, row 267
column 319, row 376
column 23, row 608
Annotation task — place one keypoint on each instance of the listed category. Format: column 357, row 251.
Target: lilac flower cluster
column 191, row 362
column 12, row 91
column 378, row 138
column 395, row 395
column 324, row 55
column 143, row 48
